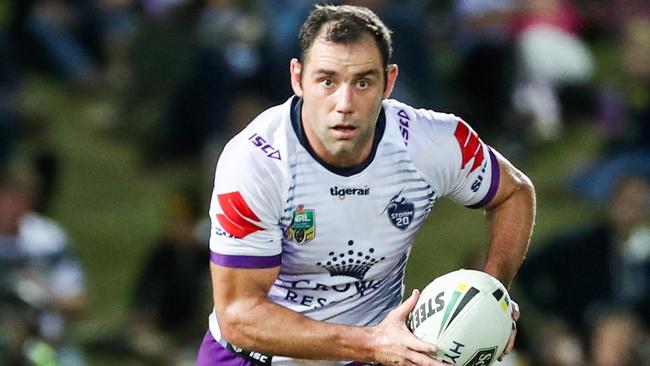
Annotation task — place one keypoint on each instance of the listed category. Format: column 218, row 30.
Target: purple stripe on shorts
column 494, row 183
column 212, row 353
column 245, row 261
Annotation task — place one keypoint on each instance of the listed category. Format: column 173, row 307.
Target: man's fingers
column 511, row 341
column 417, row 358
column 412, row 357
column 402, row 311
column 515, row 311
column 416, row 344
column 510, row 346
column 413, row 351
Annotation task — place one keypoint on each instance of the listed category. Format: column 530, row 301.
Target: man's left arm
column 510, row 217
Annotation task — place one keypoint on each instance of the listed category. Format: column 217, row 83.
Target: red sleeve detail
column 470, row 145
column 237, row 215
column 478, row 159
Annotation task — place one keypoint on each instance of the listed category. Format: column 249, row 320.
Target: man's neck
column 344, row 168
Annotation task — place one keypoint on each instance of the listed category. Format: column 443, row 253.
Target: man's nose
column 344, row 101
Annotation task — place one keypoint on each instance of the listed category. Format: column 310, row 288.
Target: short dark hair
column 349, row 23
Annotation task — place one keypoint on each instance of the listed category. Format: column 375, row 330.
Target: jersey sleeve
column 453, row 157
column 245, row 208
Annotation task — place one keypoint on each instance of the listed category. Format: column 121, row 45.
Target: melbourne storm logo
column 350, row 263
column 400, row 211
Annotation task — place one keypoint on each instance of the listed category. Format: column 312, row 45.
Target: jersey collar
column 296, row 122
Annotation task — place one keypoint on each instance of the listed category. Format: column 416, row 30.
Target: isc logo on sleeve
column 265, row 147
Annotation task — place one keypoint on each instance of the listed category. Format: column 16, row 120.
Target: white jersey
column 340, row 236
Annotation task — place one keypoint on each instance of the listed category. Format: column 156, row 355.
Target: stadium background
column 114, row 181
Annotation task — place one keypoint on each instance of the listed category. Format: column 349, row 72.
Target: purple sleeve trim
column 494, row 183
column 245, row 261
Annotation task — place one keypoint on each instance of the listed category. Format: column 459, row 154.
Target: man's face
column 342, row 86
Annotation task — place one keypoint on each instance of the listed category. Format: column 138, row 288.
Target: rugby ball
column 467, row 314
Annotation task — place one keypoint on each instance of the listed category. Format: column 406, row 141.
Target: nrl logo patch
column 302, row 228
column 400, row 211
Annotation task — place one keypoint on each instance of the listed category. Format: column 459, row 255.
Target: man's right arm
column 249, row 320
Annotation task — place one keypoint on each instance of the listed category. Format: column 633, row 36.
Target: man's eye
column 327, row 83
column 363, row 84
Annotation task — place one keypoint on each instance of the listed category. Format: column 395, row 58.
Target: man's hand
column 394, row 343
column 513, row 334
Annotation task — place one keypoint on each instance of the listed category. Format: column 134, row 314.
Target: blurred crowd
column 182, row 76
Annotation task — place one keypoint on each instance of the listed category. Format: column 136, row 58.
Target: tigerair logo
column 351, row 263
column 342, row 192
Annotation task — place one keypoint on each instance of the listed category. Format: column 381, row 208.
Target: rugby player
column 317, row 201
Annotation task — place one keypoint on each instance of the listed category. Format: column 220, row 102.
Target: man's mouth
column 344, row 132
column 344, row 128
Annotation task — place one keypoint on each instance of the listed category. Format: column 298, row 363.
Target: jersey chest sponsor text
column 342, row 192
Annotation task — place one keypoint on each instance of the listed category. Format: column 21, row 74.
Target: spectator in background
column 10, row 90
column 625, row 113
column 487, row 70
column 283, row 19
column 119, row 24
column 160, row 8
column 636, row 62
column 557, row 345
column 47, row 167
column 605, row 264
column 75, row 40
column 624, row 101
column 228, row 57
column 59, row 35
column 625, row 10
column 552, row 60
column 617, row 339
column 38, row 269
column 164, row 43
column 173, row 286
column 208, row 51
column 624, row 117
column 412, row 50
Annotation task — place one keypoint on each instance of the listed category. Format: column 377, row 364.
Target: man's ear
column 391, row 77
column 295, row 71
